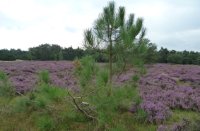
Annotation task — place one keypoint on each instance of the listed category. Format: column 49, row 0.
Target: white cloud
column 63, row 22
column 44, row 24
column 181, row 40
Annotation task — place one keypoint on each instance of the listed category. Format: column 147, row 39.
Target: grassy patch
column 6, row 89
column 178, row 115
column 186, row 120
column 182, row 83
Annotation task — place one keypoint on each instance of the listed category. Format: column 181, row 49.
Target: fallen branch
column 79, row 107
column 19, row 93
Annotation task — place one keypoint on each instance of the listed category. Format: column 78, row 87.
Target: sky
column 173, row 24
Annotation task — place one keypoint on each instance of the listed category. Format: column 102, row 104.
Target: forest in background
column 56, row 52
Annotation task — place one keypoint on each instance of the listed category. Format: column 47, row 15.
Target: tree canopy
column 115, row 34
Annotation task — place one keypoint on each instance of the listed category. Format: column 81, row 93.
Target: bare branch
column 80, row 109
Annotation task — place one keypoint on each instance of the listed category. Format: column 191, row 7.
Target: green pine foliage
column 85, row 70
column 102, row 78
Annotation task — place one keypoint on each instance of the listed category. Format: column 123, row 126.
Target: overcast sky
column 174, row 24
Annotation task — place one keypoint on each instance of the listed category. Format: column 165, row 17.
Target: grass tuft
column 6, row 89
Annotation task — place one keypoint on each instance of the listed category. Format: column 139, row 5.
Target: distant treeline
column 56, row 52
column 45, row 52
column 178, row 57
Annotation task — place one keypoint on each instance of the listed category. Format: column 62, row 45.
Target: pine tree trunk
column 110, row 67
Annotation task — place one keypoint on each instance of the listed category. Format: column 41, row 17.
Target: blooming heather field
column 24, row 74
column 165, row 87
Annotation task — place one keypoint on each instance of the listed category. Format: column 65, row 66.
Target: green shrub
column 3, row 76
column 45, row 123
column 6, row 89
column 105, row 118
column 102, row 78
column 43, row 96
column 86, row 70
column 50, row 92
column 120, row 102
column 135, row 78
column 21, row 104
column 141, row 115
column 44, row 77
column 121, row 96
column 41, row 102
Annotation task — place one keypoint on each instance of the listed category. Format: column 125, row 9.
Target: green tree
column 111, row 30
column 46, row 52
column 131, row 43
column 175, row 58
column 163, row 54
column 151, row 55
column 56, row 51
column 105, row 32
column 185, row 55
column 70, row 53
column 41, row 52
column 60, row 55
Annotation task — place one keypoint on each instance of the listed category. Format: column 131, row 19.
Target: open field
column 170, row 95
column 23, row 74
column 167, row 87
